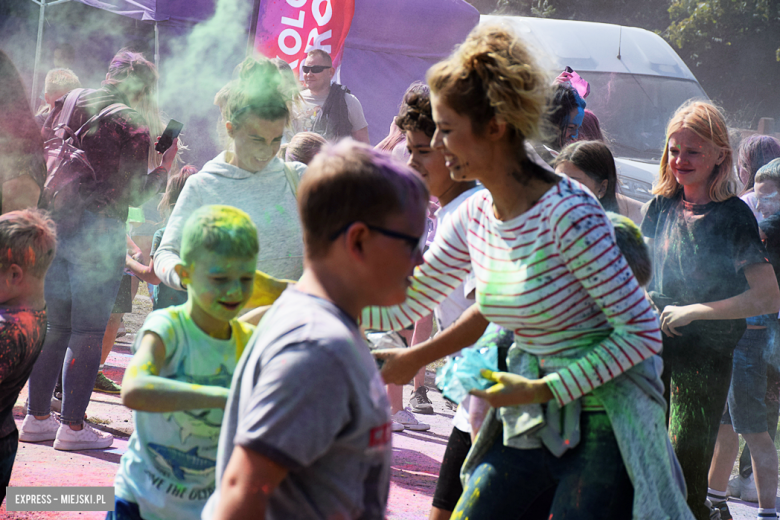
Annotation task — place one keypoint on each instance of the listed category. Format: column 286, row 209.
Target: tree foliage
column 732, row 47
column 722, row 21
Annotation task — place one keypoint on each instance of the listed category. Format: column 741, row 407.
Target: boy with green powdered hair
column 183, row 363
column 307, row 430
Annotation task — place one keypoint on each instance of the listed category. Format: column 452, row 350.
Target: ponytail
column 493, row 74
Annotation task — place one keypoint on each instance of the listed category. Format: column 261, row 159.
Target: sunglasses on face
column 314, row 69
column 416, row 244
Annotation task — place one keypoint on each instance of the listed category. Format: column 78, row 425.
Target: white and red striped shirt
column 553, row 275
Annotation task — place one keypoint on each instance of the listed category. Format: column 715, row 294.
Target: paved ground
column 416, row 455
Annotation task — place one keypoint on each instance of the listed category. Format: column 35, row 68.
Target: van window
column 633, row 109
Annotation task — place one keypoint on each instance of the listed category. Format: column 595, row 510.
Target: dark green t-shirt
column 700, row 250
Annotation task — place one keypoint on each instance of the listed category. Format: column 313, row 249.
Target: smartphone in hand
column 171, row 132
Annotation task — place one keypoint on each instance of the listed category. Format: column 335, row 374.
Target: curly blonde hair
column 493, row 74
column 706, row 121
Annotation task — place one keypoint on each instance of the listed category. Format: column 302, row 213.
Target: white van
column 636, row 83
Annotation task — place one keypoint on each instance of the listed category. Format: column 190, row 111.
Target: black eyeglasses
column 416, row 244
column 315, row 69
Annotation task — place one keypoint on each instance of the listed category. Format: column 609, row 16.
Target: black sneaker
column 725, row 514
column 718, row 511
column 419, row 402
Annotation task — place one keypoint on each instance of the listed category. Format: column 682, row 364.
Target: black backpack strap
column 335, row 114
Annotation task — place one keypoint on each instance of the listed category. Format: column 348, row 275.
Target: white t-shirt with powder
column 456, row 303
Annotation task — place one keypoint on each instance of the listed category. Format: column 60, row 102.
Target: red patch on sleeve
column 380, row 435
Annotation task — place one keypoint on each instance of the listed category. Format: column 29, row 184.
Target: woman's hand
column 563, row 78
column 399, row 367
column 512, row 389
column 170, row 154
column 673, row 317
column 134, row 252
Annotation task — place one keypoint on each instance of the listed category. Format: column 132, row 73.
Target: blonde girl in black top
column 710, row 272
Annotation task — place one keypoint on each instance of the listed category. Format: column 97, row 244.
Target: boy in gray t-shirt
column 306, row 432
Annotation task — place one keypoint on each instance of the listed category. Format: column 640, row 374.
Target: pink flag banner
column 288, row 29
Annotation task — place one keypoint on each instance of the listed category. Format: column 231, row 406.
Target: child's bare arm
column 144, row 272
column 249, row 480
column 143, row 389
column 255, row 315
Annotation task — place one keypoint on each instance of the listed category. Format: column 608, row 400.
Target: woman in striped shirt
column 544, row 256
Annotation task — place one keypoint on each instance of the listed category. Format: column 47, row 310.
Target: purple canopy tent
column 391, row 43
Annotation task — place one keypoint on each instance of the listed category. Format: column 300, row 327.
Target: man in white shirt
column 328, row 109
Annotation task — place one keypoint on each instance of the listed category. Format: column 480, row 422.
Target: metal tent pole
column 157, row 62
column 41, row 17
column 34, row 92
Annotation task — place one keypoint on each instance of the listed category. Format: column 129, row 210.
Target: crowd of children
column 254, row 391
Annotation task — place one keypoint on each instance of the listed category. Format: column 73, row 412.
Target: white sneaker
column 735, row 487
column 748, row 491
column 409, row 421
column 88, row 438
column 396, row 426
column 34, row 430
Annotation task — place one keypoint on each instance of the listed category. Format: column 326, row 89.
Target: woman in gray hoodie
column 249, row 177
